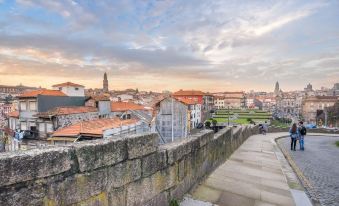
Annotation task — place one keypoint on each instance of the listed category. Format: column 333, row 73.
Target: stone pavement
column 256, row 174
column 319, row 164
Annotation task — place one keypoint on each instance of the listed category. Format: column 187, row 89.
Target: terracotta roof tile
column 14, row 114
column 188, row 93
column 125, row 106
column 188, row 101
column 68, row 84
column 99, row 98
column 43, row 92
column 93, row 127
column 67, row 110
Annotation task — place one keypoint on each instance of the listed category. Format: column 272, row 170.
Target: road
column 319, row 163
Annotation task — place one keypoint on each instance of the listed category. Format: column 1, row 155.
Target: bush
column 174, row 202
column 208, row 124
column 337, row 143
column 214, row 122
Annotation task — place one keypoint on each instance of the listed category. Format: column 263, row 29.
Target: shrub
column 174, row 202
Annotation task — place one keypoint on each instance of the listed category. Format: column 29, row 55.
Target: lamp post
column 228, row 116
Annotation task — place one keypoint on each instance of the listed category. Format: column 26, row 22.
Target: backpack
column 303, row 130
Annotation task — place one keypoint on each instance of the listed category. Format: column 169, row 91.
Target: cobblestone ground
column 320, row 165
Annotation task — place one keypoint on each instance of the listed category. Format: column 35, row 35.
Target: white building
column 125, row 97
column 219, row 102
column 195, row 110
column 70, row 89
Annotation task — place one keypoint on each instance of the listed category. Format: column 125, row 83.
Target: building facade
column 70, row 89
column 172, row 119
column 314, row 104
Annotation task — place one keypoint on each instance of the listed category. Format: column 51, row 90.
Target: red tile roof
column 68, row 84
column 93, row 127
column 188, row 101
column 125, row 106
column 188, row 93
column 99, row 98
column 14, row 114
column 67, row 110
column 43, row 92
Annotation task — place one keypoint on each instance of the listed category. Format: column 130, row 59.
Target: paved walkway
column 256, row 174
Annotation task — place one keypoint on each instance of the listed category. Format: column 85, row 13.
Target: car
column 200, row 125
column 310, row 126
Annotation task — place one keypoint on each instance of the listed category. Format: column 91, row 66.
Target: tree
column 208, row 124
column 214, row 122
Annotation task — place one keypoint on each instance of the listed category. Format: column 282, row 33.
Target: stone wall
column 67, row 120
column 126, row 171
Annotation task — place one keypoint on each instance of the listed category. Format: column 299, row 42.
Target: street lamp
column 228, row 111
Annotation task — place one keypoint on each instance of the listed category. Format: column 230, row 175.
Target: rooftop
column 188, row 93
column 124, row 106
column 92, row 128
column 99, row 98
column 188, row 101
column 68, row 84
column 14, row 114
column 43, row 92
column 67, row 110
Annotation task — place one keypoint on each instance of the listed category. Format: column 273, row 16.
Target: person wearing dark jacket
column 302, row 133
column 294, row 134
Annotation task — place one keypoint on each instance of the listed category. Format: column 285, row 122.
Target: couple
column 297, row 133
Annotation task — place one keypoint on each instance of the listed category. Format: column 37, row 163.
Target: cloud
column 229, row 43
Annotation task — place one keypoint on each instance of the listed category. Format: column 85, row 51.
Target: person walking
column 265, row 128
column 302, row 133
column 294, row 134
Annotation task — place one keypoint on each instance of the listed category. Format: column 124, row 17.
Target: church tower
column 105, row 83
column 277, row 89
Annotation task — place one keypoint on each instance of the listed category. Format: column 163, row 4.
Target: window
column 76, row 88
column 32, row 106
column 49, row 127
column 23, row 106
column 23, row 125
column 32, row 126
column 42, row 127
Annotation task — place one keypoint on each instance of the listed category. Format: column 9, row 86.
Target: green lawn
column 256, row 115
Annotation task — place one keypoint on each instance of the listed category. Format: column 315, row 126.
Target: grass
column 337, row 143
column 243, row 117
column 221, row 116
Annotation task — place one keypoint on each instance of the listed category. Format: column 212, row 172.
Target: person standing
column 302, row 132
column 294, row 134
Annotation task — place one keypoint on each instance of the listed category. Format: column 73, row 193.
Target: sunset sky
column 211, row 45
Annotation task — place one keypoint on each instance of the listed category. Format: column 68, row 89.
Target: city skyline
column 168, row 45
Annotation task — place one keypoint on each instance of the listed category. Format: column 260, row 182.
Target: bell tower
column 105, row 83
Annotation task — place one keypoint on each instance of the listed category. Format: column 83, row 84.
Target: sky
column 208, row 45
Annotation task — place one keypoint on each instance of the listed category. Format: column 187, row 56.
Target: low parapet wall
column 125, row 171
